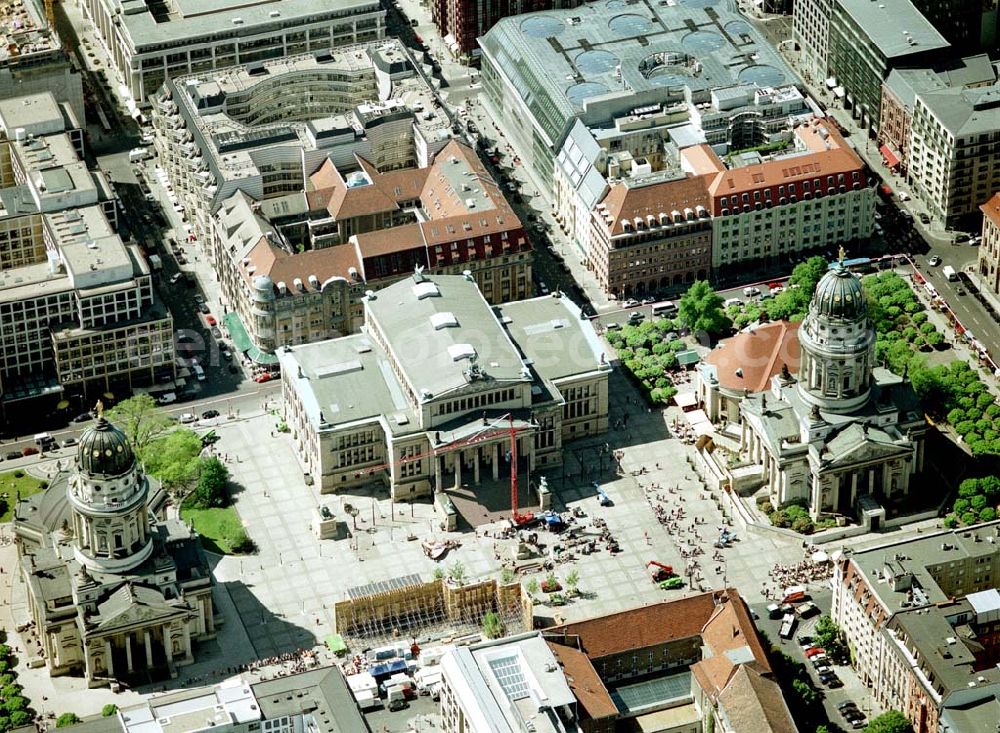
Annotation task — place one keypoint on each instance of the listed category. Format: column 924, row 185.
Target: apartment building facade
column 921, row 618
column 265, row 128
column 954, row 152
column 653, row 238
column 867, row 40
column 150, row 43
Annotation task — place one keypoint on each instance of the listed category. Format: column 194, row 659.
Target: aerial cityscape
column 401, row 366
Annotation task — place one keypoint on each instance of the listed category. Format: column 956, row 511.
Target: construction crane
column 488, row 430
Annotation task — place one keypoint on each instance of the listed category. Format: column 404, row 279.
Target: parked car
column 749, row 292
column 216, row 332
column 203, row 308
column 631, row 303
column 199, row 298
column 12, row 455
column 175, row 278
column 261, row 378
column 934, row 261
column 187, row 417
column 233, row 369
column 69, row 442
column 209, row 414
column 83, row 417
column 831, row 680
column 924, row 219
column 805, row 641
column 29, row 451
column 210, row 319
column 846, row 705
column 814, row 651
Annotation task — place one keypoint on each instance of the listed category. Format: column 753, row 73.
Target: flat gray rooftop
column 964, row 112
column 347, row 380
column 196, row 19
column 896, row 27
column 435, row 326
column 923, row 557
column 559, row 59
column 554, row 337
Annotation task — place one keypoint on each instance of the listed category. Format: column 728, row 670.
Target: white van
column 949, row 272
column 44, row 439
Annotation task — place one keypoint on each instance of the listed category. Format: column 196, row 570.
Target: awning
column 890, row 157
column 261, row 357
column 820, row 556
column 335, row 643
column 839, row 92
column 688, row 357
column 831, row 82
column 237, row 331
column 685, row 399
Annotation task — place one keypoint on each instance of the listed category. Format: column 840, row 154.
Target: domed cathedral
column 114, row 590
column 842, row 436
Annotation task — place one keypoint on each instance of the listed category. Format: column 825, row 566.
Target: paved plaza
column 284, row 595
column 281, row 599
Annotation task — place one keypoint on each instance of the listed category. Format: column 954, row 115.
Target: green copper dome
column 104, row 450
column 840, row 295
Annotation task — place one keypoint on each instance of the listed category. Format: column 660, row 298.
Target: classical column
column 168, row 644
column 854, row 487
column 871, row 480
column 210, row 613
column 496, row 461
column 88, row 661
column 187, row 643
column 475, row 465
column 149, row 648
column 458, row 469
column 110, row 658
column 437, row 473
column 128, row 652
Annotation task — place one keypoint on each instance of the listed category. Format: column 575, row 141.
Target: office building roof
column 896, row 27
column 971, row 71
column 554, row 335
column 505, row 684
column 560, row 61
column 322, row 694
column 38, row 114
column 193, row 709
column 680, row 200
column 753, row 703
column 182, row 21
column 586, row 684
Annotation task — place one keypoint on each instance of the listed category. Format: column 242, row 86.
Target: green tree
column 174, row 458
column 15, row 703
column 67, row 719
column 213, row 483
column 806, row 694
column 827, row 634
column 806, row 275
column 19, row 718
column 701, row 309
column 532, row 587
column 492, row 626
column 108, row 710
column 456, row 572
column 891, row 721
column 141, row 420
column 572, row 581
column 822, row 729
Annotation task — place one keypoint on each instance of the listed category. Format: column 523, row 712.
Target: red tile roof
column 829, row 155
column 585, row 683
column 758, row 355
column 638, row 628
column 281, row 266
column 625, row 202
column 991, row 209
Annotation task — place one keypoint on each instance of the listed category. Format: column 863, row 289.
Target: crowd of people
column 805, row 571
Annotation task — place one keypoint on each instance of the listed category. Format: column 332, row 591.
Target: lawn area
column 24, row 486
column 221, row 529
